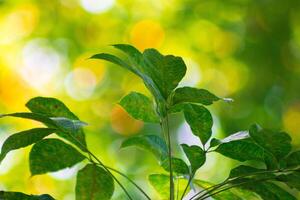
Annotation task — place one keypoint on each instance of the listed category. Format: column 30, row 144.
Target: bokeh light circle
column 96, row 6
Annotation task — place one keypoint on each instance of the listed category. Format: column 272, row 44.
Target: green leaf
column 165, row 71
column 277, row 143
column 245, row 149
column 33, row 116
column 94, row 183
column 20, row 196
column 50, row 155
column 268, row 191
column 139, row 107
column 178, row 166
column 63, row 118
column 293, row 160
column 115, row 60
column 50, row 107
column 236, row 136
column 244, row 170
column 193, row 95
column 135, row 56
column 161, row 184
column 151, row 143
column 195, row 155
column 292, row 179
column 23, row 139
column 200, row 121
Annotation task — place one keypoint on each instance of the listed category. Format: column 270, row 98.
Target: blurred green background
column 248, row 50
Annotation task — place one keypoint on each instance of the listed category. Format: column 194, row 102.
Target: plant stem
column 119, row 183
column 131, row 181
column 228, row 181
column 100, row 163
column 204, row 196
column 166, row 132
column 187, row 185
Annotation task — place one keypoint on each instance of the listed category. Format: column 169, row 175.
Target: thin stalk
column 177, row 189
column 215, row 187
column 202, row 197
column 166, row 132
column 131, row 181
column 187, row 185
column 210, row 189
column 99, row 162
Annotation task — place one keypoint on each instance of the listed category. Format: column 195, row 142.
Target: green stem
column 187, row 185
column 204, row 196
column 166, row 132
column 100, row 163
column 131, row 181
column 228, row 181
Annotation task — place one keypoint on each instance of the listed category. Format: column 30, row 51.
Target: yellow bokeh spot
column 96, row 66
column 18, row 23
column 291, row 120
column 237, row 74
column 13, row 91
column 147, row 34
column 124, row 124
column 225, row 43
column 204, row 33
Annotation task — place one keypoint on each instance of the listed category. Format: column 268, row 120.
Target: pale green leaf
column 151, row 143
column 161, row 184
column 139, row 107
column 178, row 166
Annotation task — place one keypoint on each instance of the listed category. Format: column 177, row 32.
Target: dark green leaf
column 115, row 60
column 20, row 196
column 63, row 118
column 165, row 71
column 244, row 150
column 23, row 139
column 195, row 155
column 32, row 116
column 152, row 143
column 50, row 155
column 292, row 179
column 94, row 183
column 50, row 107
column 277, row 143
column 139, row 107
column 178, row 166
column 193, row 95
column 244, row 170
column 161, row 184
column 293, row 160
column 135, row 56
column 268, row 191
column 200, row 121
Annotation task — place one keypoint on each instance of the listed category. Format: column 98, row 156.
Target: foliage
column 161, row 74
